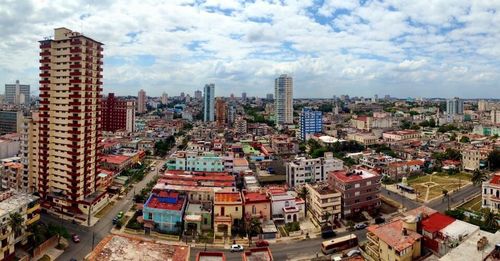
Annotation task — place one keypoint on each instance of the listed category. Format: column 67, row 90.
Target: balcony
column 75, row 96
column 45, row 60
column 44, row 75
column 75, row 58
column 45, row 45
column 76, row 42
column 75, row 50
column 44, row 81
column 44, row 95
column 75, row 81
column 44, row 88
column 44, row 68
column 75, row 73
column 75, row 66
column 74, row 103
column 45, row 53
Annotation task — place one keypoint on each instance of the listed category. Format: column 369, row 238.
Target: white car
column 360, row 226
column 353, row 252
column 236, row 248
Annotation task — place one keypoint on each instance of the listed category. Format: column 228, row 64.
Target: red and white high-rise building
column 69, row 125
column 117, row 114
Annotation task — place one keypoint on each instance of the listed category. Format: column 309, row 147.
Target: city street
column 89, row 237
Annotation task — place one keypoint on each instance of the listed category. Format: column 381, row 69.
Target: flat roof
column 392, row 234
column 129, row 248
column 165, row 200
column 114, row 159
column 356, row 175
column 467, row 250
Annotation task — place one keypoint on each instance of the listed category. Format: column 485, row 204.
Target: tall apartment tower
column 117, row 114
column 208, row 102
column 69, row 124
column 164, row 98
column 455, row 106
column 220, row 112
column 283, row 100
column 141, row 101
column 198, row 95
column 17, row 93
column 310, row 122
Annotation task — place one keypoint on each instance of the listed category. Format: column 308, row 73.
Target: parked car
column 360, row 226
column 236, row 248
column 120, row 214
column 75, row 238
column 353, row 252
column 379, row 220
column 115, row 220
column 262, row 243
column 325, row 234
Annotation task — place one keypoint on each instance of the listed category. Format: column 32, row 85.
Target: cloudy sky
column 403, row 48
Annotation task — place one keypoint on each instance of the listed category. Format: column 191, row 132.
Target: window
column 287, row 204
column 254, row 210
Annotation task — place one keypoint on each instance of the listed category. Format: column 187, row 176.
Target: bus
column 339, row 244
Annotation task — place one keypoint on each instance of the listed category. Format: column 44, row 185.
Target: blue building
column 310, row 122
column 163, row 211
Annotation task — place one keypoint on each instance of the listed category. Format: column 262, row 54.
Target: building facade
column 360, row 190
column 283, row 102
column 310, row 122
column 17, row 93
column 117, row 114
column 220, row 112
column 69, row 123
column 302, row 170
column 208, row 102
column 163, row 211
column 491, row 193
column 141, row 101
column 324, row 203
column 455, row 106
column 10, row 121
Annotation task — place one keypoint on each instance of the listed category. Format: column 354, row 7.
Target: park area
column 473, row 205
column 429, row 187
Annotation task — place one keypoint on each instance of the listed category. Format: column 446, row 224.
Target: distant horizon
column 404, row 48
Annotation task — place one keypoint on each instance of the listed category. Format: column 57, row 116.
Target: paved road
column 286, row 250
column 455, row 198
column 103, row 226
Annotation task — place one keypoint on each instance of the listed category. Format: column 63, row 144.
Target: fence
column 42, row 248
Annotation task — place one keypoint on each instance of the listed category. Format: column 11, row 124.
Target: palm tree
column 16, row 223
column 327, row 216
column 445, row 195
column 490, row 219
column 478, row 177
column 303, row 195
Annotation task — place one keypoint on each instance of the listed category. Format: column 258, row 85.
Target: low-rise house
column 285, row 206
column 258, row 254
column 228, row 212
column 366, row 139
column 163, row 211
column 257, row 205
column 401, row 135
column 360, row 189
column 284, row 145
column 491, row 193
column 324, row 203
column 11, row 174
column 196, row 161
column 198, row 217
column 395, row 240
column 475, row 158
column 399, row 169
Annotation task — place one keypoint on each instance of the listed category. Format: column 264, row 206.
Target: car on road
column 115, row 220
column 360, row 226
column 236, row 248
column 261, row 243
column 75, row 238
column 120, row 215
column 353, row 252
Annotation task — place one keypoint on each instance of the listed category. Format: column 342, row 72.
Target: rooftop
column 254, row 197
column 354, row 175
column 436, row 222
column 258, row 254
column 210, row 256
column 468, row 250
column 12, row 200
column 128, row 248
column 115, row 159
column 165, row 200
column 392, row 234
column 227, row 197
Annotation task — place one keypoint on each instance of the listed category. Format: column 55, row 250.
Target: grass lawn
column 436, row 183
column 473, row 204
column 105, row 210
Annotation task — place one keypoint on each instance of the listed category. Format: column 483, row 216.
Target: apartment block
column 17, row 93
column 360, row 190
column 117, row 114
column 302, row 170
column 310, row 122
column 196, row 161
column 69, row 124
column 323, row 203
column 10, row 122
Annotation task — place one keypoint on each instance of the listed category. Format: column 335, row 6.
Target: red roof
column 496, row 179
column 342, row 175
column 436, row 222
column 229, row 197
column 165, row 200
column 391, row 234
column 115, row 159
column 255, row 197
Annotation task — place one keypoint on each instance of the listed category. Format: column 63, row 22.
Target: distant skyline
column 404, row 48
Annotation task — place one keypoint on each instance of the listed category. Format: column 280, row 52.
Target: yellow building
column 393, row 241
column 323, row 202
column 228, row 211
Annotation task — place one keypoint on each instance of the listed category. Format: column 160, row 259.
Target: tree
column 464, row 139
column 478, row 177
column 490, row 219
column 303, row 195
column 16, row 223
column 327, row 215
column 253, row 228
column 494, row 159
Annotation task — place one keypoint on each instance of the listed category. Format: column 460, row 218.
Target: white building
column 285, row 206
column 491, row 193
column 302, row 170
column 283, row 102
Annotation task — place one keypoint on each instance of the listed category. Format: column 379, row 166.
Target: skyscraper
column 310, row 122
column 141, row 101
column 243, row 95
column 269, row 96
column 198, row 95
column 283, row 100
column 69, row 124
column 220, row 112
column 208, row 102
column 11, row 121
column 164, row 98
column 17, row 93
column 117, row 114
column 455, row 106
